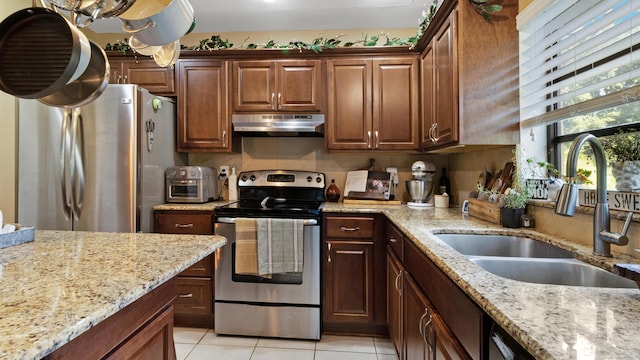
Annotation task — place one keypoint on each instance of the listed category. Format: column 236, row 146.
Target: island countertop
column 550, row 321
column 61, row 284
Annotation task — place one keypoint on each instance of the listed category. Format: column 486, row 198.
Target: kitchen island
column 549, row 321
column 64, row 284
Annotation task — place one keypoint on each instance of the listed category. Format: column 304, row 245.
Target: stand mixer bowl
column 420, row 191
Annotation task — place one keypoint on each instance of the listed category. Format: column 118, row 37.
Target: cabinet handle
column 342, row 228
column 279, row 101
column 435, row 138
column 118, row 79
column 224, row 138
column 398, row 284
column 273, row 105
column 184, row 226
column 427, row 333
column 422, row 322
column 393, row 240
column 126, row 79
column 369, row 139
column 329, row 252
column 377, row 139
column 431, row 132
column 184, row 296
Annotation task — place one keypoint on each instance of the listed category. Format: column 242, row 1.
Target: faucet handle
column 619, row 238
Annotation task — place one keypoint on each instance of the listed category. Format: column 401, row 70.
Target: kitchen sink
column 502, row 245
column 570, row 272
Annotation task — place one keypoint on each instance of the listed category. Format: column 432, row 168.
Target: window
column 579, row 70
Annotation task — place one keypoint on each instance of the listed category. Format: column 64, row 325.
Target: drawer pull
column 393, row 240
column 329, row 252
column 184, row 226
column 342, row 228
column 185, row 296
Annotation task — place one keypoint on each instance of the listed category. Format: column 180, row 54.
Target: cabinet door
column 395, row 104
column 204, row 122
column 147, row 74
column 417, row 311
column 349, row 292
column 445, row 82
column 394, row 300
column 428, row 96
column 299, row 85
column 254, row 86
column 349, row 104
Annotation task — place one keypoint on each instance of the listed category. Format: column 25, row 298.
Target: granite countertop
column 61, row 284
column 550, row 321
column 208, row 206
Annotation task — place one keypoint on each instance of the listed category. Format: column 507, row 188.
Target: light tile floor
column 201, row 344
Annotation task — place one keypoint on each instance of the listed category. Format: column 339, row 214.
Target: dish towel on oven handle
column 280, row 246
column 246, row 259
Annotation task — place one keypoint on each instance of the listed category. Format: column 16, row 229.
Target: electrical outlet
column 224, row 171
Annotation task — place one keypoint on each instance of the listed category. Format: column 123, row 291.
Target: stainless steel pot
column 158, row 22
column 87, row 87
column 101, row 9
column 40, row 52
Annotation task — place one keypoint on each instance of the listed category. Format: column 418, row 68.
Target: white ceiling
column 220, row 16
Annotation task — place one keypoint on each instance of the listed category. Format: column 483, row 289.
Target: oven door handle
column 232, row 220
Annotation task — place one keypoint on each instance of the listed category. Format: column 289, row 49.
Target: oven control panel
column 282, row 178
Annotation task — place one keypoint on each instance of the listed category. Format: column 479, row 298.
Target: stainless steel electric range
column 285, row 305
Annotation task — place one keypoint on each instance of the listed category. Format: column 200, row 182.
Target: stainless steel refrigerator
column 95, row 168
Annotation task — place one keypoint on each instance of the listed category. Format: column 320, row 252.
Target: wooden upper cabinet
column 470, row 78
column 204, row 121
column 282, row 85
column 144, row 72
column 439, row 87
column 373, row 104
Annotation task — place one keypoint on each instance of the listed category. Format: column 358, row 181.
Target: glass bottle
column 444, row 183
column 333, row 193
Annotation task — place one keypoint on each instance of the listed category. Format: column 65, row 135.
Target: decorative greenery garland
column 483, row 7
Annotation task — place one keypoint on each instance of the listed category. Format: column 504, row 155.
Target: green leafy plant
column 542, row 169
column 516, row 200
column 622, row 146
column 486, row 8
column 120, row 45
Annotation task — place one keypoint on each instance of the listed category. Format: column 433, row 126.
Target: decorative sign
column 617, row 200
column 538, row 188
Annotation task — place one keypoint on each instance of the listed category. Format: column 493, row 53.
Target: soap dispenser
column 233, row 185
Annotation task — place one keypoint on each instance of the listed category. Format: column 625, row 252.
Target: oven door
column 290, row 288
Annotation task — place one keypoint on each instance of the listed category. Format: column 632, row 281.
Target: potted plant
column 623, row 153
column 514, row 204
column 546, row 181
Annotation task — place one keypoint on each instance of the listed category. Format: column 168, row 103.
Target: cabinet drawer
column 394, row 240
column 349, row 227
column 195, row 296
column 203, row 268
column 184, row 222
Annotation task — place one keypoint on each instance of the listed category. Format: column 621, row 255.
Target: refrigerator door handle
column 64, row 162
column 77, row 175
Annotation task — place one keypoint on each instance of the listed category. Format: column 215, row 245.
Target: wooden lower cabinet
column 195, row 290
column 354, row 288
column 425, row 333
column 142, row 330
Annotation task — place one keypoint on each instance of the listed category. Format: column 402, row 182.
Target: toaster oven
column 190, row 184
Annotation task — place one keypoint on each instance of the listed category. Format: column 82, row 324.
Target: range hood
column 278, row 124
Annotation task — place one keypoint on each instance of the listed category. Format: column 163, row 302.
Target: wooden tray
column 484, row 210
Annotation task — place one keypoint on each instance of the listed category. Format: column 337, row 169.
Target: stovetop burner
column 277, row 193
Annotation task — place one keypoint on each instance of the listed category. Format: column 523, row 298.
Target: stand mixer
column 420, row 187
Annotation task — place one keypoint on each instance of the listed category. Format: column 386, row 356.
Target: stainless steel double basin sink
column 530, row 260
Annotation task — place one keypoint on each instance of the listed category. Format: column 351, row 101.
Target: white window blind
column 577, row 56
